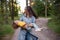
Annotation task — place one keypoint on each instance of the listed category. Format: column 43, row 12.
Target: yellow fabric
column 21, row 23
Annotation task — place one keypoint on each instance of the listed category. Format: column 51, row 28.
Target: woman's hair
column 29, row 9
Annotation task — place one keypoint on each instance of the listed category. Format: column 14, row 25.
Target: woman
column 28, row 17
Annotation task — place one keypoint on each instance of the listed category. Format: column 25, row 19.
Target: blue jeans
column 26, row 35
column 30, row 36
column 22, row 35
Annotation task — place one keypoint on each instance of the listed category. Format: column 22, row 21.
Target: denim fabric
column 35, row 26
column 28, row 20
column 22, row 33
column 30, row 36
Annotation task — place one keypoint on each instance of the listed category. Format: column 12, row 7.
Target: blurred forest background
column 9, row 13
column 53, row 12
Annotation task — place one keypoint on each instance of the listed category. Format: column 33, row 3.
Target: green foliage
column 54, row 26
column 54, row 23
column 6, row 10
column 5, row 16
column 5, row 29
column 15, row 8
column 51, row 10
column 38, row 7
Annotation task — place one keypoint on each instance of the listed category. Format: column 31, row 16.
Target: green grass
column 53, row 26
column 6, row 29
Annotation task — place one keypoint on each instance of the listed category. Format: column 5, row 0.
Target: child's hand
column 24, row 26
column 30, row 25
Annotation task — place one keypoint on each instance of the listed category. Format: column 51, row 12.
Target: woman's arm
column 25, row 26
column 33, row 21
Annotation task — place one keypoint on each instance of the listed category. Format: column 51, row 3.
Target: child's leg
column 36, row 27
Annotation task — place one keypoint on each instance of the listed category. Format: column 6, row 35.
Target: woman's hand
column 27, row 25
column 30, row 25
column 24, row 26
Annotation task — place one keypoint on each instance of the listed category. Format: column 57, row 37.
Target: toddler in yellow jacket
column 24, row 25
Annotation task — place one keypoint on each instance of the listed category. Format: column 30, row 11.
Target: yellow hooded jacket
column 21, row 23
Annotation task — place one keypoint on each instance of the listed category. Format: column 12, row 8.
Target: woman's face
column 26, row 12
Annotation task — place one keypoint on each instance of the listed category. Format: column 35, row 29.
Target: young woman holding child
column 28, row 19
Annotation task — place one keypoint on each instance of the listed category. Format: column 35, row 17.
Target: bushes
column 5, row 29
column 54, row 23
column 39, row 8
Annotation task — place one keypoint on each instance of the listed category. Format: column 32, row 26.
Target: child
column 18, row 23
column 23, row 25
column 36, row 27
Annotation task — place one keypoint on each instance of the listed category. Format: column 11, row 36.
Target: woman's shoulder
column 22, row 16
column 33, row 17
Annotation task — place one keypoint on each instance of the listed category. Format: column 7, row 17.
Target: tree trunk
column 2, row 13
column 12, row 12
column 6, row 12
column 46, row 8
column 26, row 3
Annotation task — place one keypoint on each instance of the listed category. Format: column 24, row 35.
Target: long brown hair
column 31, row 12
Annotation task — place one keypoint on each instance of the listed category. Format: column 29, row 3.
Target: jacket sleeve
column 33, row 19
